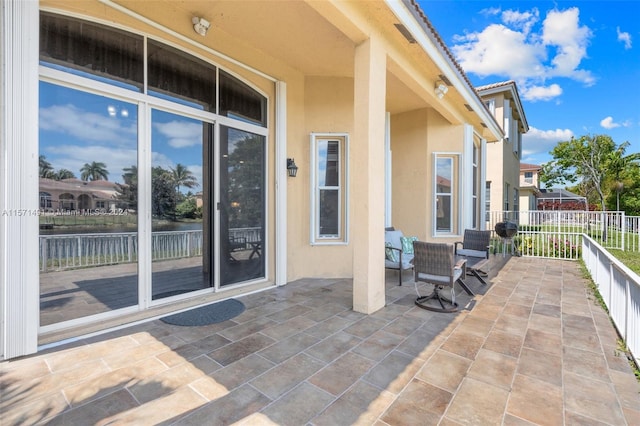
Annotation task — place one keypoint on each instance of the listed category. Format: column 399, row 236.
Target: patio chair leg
column 453, row 305
column 465, row 287
column 477, row 275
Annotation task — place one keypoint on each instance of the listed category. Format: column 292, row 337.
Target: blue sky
column 576, row 64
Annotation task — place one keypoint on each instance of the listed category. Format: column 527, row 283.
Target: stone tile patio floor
column 534, row 349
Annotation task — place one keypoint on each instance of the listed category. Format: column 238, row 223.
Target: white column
column 19, row 281
column 368, row 160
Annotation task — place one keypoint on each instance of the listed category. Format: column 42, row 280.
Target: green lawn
column 630, row 258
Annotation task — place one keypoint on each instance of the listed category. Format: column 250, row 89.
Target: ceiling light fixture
column 200, row 25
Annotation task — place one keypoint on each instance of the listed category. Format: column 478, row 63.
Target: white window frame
column 455, row 193
column 342, row 237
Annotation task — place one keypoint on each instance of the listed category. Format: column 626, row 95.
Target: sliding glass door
column 242, row 205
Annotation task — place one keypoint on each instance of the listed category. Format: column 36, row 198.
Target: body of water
column 110, row 229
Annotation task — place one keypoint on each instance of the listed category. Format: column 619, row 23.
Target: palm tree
column 46, row 169
column 64, row 174
column 94, row 171
column 182, row 176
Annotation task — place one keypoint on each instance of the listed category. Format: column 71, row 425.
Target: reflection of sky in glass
column 77, row 128
column 444, row 168
column 322, row 162
column 103, row 79
column 176, row 139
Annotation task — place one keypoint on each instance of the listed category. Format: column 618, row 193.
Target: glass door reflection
column 242, row 206
column 180, row 204
column 88, row 204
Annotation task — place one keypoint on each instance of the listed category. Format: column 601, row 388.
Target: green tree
column 46, row 169
column 590, row 161
column 187, row 209
column 95, row 170
column 127, row 192
column 623, row 171
column 245, row 195
column 163, row 194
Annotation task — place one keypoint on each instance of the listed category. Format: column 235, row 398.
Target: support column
column 19, row 281
column 368, row 178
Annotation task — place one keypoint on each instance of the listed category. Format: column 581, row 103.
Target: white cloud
column 528, row 51
column 181, row 134
column 88, row 126
column 562, row 29
column 537, row 141
column 498, row 50
column 523, row 20
column 624, row 37
column 608, row 123
column 541, row 93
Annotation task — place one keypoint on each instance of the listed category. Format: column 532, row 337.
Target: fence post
column 45, row 253
column 79, row 251
column 624, row 230
column 130, row 248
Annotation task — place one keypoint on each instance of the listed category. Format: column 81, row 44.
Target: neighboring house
column 68, row 195
column 383, row 125
column 503, row 158
column 561, row 199
column 529, row 186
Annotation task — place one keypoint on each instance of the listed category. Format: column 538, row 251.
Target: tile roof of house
column 525, row 166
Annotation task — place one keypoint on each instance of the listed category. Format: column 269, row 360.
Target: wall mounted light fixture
column 441, row 89
column 200, row 25
column 291, row 167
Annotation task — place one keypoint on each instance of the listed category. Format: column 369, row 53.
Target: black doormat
column 204, row 315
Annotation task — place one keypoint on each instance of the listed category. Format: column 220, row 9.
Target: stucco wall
column 328, row 108
column 415, row 137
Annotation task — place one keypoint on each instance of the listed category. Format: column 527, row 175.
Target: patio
column 533, row 348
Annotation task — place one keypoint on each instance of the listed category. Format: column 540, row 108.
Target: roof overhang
column 416, row 23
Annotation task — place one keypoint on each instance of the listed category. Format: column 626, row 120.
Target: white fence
column 620, row 290
column 72, row 251
column 558, row 234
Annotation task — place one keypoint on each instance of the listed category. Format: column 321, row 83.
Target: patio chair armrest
column 461, row 264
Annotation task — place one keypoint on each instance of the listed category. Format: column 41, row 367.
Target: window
column 528, row 177
column 446, row 200
column 45, row 200
column 329, row 182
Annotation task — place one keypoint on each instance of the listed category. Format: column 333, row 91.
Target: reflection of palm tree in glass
column 182, row 176
column 95, row 171
column 64, row 174
column 46, row 169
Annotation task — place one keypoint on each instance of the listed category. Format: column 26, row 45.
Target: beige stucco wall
column 327, row 108
column 415, row 137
